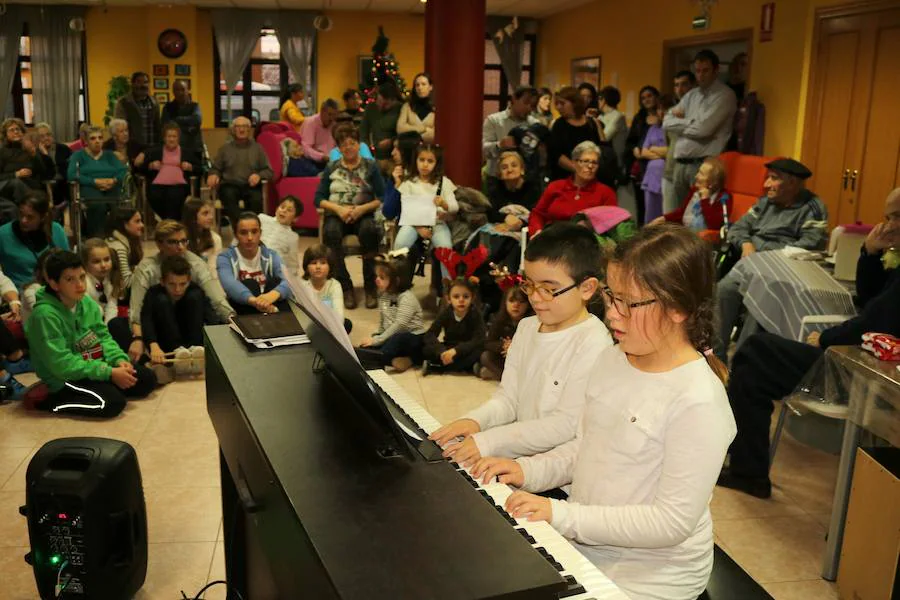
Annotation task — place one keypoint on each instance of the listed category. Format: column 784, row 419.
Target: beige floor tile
column 128, row 427
column 731, row 504
column 803, row 590
column 10, row 460
column 16, row 576
column 774, row 549
column 174, row 567
column 13, row 526
column 173, row 425
column 20, row 427
column 191, row 463
column 16, row 481
column 823, row 519
column 448, row 397
column 190, row 514
column 217, row 573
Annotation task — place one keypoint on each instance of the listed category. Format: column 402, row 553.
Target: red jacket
column 562, row 199
column 711, row 209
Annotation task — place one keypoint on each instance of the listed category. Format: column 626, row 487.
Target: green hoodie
column 68, row 345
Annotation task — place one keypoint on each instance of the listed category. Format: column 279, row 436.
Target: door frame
column 809, row 150
column 735, row 35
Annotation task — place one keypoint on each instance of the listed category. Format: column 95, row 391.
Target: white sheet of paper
column 418, row 210
column 327, row 317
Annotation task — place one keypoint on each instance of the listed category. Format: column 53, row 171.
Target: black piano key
column 573, row 590
column 526, row 535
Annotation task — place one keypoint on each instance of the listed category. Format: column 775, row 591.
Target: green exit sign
column 700, row 22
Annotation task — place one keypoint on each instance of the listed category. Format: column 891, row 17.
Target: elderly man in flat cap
column 788, row 215
column 767, row 366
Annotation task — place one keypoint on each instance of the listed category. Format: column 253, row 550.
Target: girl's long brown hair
column 676, row 266
column 116, row 221
column 199, row 240
column 115, row 275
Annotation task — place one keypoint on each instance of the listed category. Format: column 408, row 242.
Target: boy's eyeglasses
column 180, row 242
column 623, row 307
column 543, row 292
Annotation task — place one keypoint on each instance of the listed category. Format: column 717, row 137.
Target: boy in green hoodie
column 71, row 349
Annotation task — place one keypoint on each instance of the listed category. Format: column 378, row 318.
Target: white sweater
column 331, row 295
column 283, row 240
column 642, row 468
column 111, row 308
column 541, row 395
column 212, row 254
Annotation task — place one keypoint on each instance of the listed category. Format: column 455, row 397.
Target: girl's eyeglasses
column 623, row 307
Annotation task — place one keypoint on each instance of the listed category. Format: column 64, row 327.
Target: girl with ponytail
column 655, row 429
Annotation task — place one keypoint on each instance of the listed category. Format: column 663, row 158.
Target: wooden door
column 852, row 139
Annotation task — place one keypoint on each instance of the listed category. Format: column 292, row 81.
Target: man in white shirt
column 495, row 136
column 703, row 119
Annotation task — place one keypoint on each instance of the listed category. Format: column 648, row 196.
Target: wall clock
column 172, row 43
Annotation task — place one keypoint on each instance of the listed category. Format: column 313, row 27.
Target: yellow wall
column 353, row 34
column 115, row 47
column 631, row 51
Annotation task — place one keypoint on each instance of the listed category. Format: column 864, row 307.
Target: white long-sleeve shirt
column 111, row 307
column 541, row 396
column 643, row 466
column 707, row 123
column 283, row 240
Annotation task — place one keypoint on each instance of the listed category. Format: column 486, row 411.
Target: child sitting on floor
column 85, row 370
column 656, row 427
column 318, row 269
column 463, row 328
column 541, row 395
column 198, row 217
column 399, row 335
column 103, row 284
column 278, row 235
column 172, row 320
column 513, row 308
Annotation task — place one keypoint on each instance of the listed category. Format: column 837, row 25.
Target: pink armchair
column 304, row 188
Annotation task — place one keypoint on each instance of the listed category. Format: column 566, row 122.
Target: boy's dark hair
column 611, row 95
column 41, row 267
column 298, row 206
column 349, row 93
column 525, row 90
column 59, row 262
column 175, row 265
column 687, row 73
column 398, row 271
column 245, row 216
column 573, row 247
column 388, row 90
column 317, row 252
column 707, row 55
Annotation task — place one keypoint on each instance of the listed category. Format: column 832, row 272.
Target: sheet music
column 308, row 299
column 418, row 210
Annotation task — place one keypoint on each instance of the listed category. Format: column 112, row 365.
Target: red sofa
column 270, row 137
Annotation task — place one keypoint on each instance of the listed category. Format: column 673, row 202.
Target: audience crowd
column 109, row 323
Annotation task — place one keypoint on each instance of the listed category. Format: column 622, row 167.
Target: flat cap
column 790, row 167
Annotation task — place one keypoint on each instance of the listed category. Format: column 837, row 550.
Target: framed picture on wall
column 586, row 70
column 364, row 64
column 182, row 70
column 160, row 70
column 161, row 97
column 160, row 84
column 186, row 82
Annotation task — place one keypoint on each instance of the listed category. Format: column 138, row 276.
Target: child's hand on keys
column 465, row 453
column 536, row 508
column 461, row 428
column 505, row 470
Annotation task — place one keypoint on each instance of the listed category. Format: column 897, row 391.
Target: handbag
column 727, row 254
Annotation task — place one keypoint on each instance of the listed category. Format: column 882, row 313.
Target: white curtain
column 509, row 48
column 297, row 37
column 237, row 32
column 56, row 62
column 11, row 22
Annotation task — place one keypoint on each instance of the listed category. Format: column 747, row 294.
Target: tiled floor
column 779, row 542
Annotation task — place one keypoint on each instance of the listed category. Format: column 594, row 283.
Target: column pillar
column 457, row 69
column 431, row 35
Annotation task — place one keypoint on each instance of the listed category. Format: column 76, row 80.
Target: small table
column 871, row 390
column 779, row 291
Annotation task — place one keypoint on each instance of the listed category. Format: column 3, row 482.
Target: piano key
column 585, row 581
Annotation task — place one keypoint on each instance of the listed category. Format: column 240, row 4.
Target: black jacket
column 879, row 299
column 155, row 153
column 466, row 335
column 14, row 157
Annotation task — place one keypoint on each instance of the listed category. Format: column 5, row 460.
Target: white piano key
column 597, row 585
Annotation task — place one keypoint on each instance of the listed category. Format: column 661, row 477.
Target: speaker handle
column 122, row 550
column 244, row 494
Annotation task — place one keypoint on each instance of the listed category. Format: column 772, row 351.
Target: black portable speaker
column 87, row 522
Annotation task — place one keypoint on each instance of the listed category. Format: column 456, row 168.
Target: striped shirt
column 399, row 313
column 772, row 227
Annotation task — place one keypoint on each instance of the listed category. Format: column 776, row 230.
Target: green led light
column 54, row 560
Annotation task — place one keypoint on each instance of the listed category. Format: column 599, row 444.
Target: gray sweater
column 235, row 163
column 399, row 313
column 148, row 273
column 771, row 227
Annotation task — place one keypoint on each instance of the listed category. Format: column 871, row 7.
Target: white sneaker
column 164, row 373
column 183, row 358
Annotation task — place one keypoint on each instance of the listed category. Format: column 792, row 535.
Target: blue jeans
column 440, row 238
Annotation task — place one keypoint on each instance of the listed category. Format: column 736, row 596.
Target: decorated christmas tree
column 384, row 68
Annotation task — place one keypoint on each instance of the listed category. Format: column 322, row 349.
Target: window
column 497, row 88
column 267, row 73
column 21, row 103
